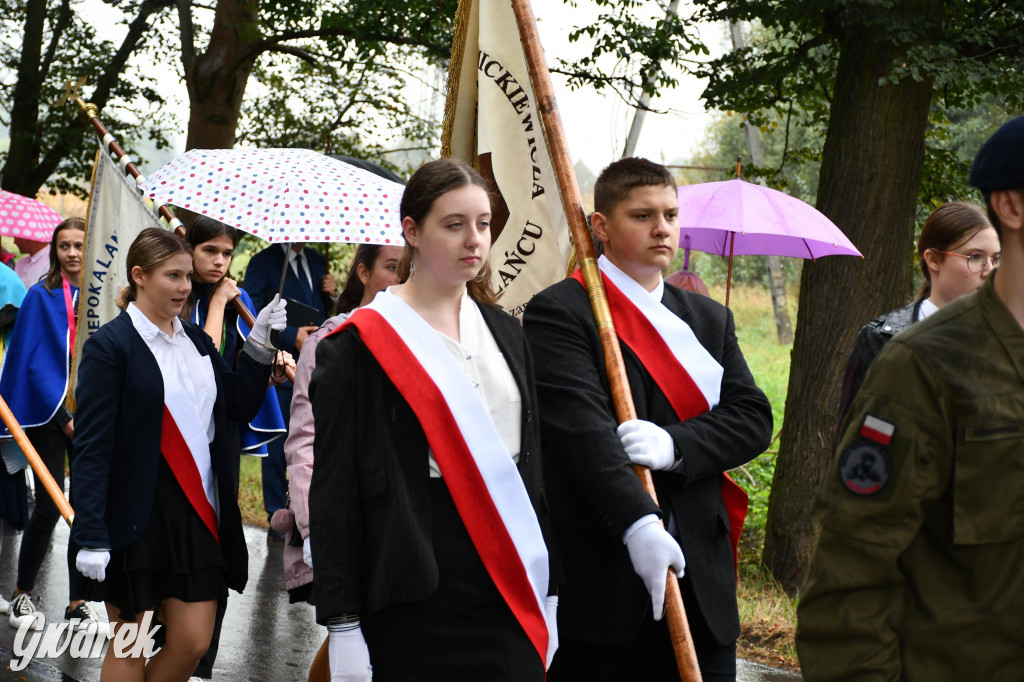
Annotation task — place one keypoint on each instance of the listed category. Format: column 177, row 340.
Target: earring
column 412, row 265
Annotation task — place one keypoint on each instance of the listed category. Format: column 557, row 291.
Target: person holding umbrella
column 958, row 248
column 157, row 516
column 426, row 521
column 307, row 282
column 34, row 382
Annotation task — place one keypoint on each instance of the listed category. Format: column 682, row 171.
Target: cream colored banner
column 502, row 135
column 116, row 216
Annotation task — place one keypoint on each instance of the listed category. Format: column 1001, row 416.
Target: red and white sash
column 184, row 444
column 683, row 369
column 480, row 474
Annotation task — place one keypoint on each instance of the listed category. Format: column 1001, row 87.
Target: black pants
column 647, row 658
column 51, row 444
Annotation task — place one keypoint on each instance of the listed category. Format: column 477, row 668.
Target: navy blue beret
column 999, row 164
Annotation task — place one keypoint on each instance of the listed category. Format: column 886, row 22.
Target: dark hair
column 203, row 229
column 352, row 295
column 618, row 179
column 993, row 217
column 431, row 181
column 949, row 226
column 53, row 275
column 152, row 247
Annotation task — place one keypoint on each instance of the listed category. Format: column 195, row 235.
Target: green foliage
column 769, row 363
column 784, row 80
column 646, row 40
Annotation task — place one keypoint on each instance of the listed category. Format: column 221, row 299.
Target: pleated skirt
column 176, row 557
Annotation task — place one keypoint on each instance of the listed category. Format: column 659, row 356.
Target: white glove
column 307, row 553
column 551, row 616
column 348, row 655
column 653, row 552
column 647, row 444
column 273, row 316
column 92, row 563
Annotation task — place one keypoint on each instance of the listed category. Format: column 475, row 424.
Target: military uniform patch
column 864, row 467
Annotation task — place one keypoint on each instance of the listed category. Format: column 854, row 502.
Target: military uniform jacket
column 593, row 494
column 920, row 574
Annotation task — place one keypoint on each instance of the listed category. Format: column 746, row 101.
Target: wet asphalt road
column 264, row 639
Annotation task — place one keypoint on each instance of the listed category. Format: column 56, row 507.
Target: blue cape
column 269, row 422
column 34, row 381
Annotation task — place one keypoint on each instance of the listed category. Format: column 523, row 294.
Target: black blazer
column 369, row 499
column 117, row 438
column 263, row 277
column 593, row 494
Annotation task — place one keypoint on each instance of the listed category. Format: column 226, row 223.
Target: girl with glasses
column 957, row 249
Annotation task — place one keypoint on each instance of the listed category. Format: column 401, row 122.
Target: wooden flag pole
column 682, row 642
column 55, row 491
column 91, row 113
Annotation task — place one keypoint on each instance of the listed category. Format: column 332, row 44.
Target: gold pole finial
column 71, row 92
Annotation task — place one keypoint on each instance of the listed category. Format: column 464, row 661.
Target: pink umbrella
column 735, row 217
column 26, row 218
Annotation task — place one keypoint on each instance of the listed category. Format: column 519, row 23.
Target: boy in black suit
column 699, row 415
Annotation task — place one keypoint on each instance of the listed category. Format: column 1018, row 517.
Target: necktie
column 302, row 272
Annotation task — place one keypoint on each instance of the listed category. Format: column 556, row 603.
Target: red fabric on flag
column 637, row 332
column 467, row 487
column 183, row 466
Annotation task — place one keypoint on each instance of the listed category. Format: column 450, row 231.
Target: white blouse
column 478, row 355
column 180, row 363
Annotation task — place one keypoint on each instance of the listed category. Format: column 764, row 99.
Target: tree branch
column 294, row 51
column 63, row 19
column 188, row 39
column 271, row 42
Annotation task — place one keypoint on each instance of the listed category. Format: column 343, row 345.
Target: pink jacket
column 298, row 452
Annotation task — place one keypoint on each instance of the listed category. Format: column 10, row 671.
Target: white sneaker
column 22, row 610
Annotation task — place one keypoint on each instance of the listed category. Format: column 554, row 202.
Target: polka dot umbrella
column 26, row 218
column 282, row 195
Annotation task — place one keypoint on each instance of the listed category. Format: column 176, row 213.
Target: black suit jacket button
column 529, row 416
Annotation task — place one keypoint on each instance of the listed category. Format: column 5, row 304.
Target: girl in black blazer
column 157, row 516
column 405, row 573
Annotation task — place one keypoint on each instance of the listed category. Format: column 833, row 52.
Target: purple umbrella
column 735, row 217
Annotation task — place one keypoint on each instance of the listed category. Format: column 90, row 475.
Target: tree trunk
column 23, row 152
column 217, row 80
column 870, row 175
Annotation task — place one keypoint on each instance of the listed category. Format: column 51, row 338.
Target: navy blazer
column 593, row 494
column 117, row 438
column 369, row 499
column 263, row 277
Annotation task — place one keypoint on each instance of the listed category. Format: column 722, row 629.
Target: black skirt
column 176, row 557
column 464, row 631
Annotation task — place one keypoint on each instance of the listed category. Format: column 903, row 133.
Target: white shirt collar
column 607, row 264
column 147, row 330
column 292, row 255
column 925, row 309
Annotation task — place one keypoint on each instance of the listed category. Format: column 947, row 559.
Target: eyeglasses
column 975, row 261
